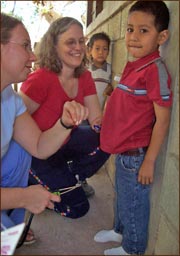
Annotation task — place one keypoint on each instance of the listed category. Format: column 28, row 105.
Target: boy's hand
column 146, row 172
column 108, row 90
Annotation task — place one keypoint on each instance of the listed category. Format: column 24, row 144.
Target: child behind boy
column 98, row 47
column 138, row 116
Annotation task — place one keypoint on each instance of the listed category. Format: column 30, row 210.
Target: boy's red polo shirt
column 129, row 115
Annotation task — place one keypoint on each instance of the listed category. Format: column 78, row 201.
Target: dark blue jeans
column 80, row 155
column 131, row 204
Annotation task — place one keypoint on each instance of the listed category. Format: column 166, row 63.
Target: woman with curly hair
column 62, row 76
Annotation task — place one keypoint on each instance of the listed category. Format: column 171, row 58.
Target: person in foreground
column 20, row 135
column 62, row 76
column 138, row 115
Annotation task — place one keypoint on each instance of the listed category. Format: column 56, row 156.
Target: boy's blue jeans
column 14, row 173
column 131, row 204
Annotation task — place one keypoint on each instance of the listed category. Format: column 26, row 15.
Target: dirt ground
column 57, row 235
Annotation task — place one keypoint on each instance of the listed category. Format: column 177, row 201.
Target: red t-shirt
column 43, row 87
column 129, row 116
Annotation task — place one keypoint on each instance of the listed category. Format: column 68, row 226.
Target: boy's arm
column 158, row 134
column 108, row 90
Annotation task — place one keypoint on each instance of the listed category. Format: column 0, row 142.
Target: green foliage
column 21, row 10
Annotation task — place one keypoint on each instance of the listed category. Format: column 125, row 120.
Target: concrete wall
column 164, row 219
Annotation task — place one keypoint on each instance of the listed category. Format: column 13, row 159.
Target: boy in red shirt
column 138, row 116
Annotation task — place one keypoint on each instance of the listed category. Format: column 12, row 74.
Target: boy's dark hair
column 157, row 8
column 99, row 36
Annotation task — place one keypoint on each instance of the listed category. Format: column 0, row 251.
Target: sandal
column 30, row 238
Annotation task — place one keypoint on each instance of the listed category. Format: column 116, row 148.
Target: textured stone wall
column 164, row 219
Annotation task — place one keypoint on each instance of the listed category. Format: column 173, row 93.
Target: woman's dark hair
column 157, row 8
column 8, row 23
column 47, row 56
column 99, row 36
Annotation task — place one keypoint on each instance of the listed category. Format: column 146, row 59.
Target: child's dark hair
column 157, row 8
column 99, row 36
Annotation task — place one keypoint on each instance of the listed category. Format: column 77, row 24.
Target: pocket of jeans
column 128, row 163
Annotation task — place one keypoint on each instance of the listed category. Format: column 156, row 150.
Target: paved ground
column 58, row 235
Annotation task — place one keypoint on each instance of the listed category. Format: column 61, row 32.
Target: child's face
column 99, row 52
column 142, row 37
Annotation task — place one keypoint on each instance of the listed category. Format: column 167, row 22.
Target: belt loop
column 141, row 150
